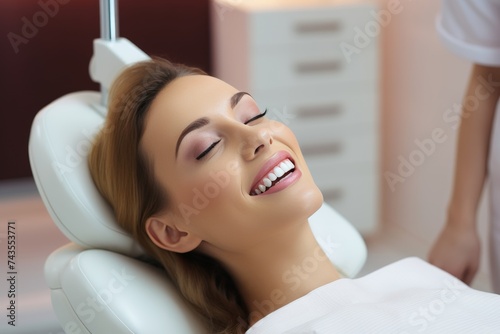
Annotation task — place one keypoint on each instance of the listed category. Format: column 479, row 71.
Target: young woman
column 220, row 196
column 189, row 165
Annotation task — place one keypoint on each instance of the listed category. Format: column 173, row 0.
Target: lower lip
column 284, row 183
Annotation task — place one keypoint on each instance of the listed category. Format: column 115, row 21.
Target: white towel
column 408, row 296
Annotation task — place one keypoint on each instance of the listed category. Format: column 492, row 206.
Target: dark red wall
column 54, row 61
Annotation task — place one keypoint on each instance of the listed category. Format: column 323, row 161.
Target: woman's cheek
column 276, row 127
column 280, row 130
column 201, row 194
column 284, row 133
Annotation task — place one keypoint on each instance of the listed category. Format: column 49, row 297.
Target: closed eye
column 256, row 117
column 202, row 154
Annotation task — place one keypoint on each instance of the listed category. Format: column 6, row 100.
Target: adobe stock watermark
column 201, row 197
column 293, row 278
column 452, row 117
column 364, row 36
column 76, row 155
column 423, row 318
column 88, row 309
column 31, row 27
column 297, row 274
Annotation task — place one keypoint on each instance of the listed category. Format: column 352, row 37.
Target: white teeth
column 267, row 182
column 284, row 167
column 279, row 172
column 287, row 165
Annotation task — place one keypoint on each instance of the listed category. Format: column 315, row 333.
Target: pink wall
column 421, row 81
column 50, row 47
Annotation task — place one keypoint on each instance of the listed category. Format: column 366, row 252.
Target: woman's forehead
column 190, row 97
column 181, row 102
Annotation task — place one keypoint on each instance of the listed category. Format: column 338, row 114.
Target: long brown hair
column 125, row 179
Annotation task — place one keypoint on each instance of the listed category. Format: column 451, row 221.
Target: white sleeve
column 471, row 29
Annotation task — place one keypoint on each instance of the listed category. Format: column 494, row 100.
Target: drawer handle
column 317, row 27
column 319, row 111
column 323, row 149
column 333, row 195
column 318, row 66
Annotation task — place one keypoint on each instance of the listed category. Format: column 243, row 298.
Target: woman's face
column 233, row 176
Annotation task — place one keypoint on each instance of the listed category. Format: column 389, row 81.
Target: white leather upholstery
column 97, row 284
column 60, row 139
column 98, row 291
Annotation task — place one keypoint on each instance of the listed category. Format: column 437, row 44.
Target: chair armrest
column 105, row 292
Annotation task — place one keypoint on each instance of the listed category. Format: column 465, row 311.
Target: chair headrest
column 60, row 140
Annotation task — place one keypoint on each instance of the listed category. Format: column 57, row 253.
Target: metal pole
column 109, row 31
column 109, row 19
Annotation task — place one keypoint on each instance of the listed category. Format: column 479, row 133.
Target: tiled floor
column 37, row 237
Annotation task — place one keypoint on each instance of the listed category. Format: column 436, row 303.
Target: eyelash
column 202, row 154
column 207, row 150
column 256, row 117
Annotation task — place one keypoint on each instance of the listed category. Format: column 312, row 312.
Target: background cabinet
column 290, row 55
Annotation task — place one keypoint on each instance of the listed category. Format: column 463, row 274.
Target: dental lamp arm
column 111, row 54
column 110, row 58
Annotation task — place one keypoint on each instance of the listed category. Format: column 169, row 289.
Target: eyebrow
column 237, row 97
column 201, row 122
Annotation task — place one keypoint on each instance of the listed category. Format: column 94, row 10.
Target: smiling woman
column 215, row 192
column 220, row 195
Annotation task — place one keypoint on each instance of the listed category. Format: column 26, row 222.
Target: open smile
column 276, row 171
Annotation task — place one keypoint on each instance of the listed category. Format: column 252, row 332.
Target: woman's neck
column 278, row 272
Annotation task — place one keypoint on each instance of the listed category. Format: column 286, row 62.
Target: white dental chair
column 98, row 283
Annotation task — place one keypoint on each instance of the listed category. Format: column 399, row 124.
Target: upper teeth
column 278, row 171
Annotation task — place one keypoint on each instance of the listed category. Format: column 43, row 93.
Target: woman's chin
column 305, row 201
column 314, row 200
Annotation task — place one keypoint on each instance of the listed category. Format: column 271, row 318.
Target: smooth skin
column 457, row 249
column 256, row 238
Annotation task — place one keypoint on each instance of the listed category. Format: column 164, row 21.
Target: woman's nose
column 256, row 142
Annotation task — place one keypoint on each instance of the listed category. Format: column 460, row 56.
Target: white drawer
column 328, row 168
column 315, row 105
column 327, row 172
column 318, row 64
column 359, row 148
column 354, row 194
column 347, row 144
column 325, row 24
column 357, row 199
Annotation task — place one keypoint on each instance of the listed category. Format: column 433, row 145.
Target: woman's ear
column 165, row 234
